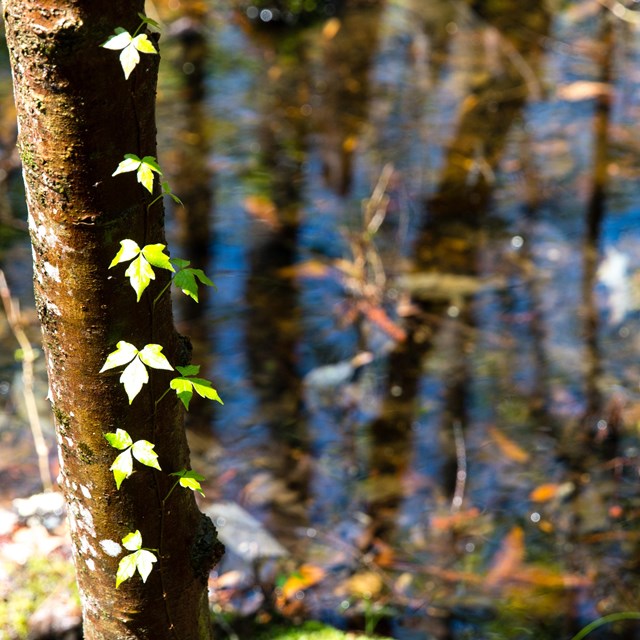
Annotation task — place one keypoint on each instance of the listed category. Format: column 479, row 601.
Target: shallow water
column 475, row 473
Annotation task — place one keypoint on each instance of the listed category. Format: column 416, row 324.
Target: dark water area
column 421, row 221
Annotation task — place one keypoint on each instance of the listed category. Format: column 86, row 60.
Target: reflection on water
column 420, row 219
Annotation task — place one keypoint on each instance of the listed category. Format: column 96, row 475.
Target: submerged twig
column 14, row 318
column 620, row 11
column 461, row 461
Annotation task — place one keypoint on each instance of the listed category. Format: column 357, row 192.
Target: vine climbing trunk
column 78, row 117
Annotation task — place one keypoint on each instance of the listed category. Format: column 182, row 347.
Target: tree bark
column 77, row 117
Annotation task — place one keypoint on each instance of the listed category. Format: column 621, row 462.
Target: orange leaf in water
column 307, row 269
column 508, row 447
column 379, row 317
column 263, row 209
column 306, row 576
column 545, row 492
column 451, row 521
column 331, row 28
column 509, row 557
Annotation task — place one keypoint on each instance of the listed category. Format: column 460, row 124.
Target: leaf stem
column 613, row 617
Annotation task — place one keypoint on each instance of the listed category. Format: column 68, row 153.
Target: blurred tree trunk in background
column 78, row 117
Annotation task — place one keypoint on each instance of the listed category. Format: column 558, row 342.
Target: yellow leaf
column 306, row 576
column 364, row 585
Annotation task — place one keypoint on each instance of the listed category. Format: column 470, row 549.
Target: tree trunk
column 78, row 116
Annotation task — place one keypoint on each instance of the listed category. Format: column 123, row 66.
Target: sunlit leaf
column 185, row 386
column 144, row 563
column 142, row 43
column 122, row 467
column 140, row 274
column 131, row 162
column 153, row 357
column 204, row 389
column 119, row 440
column 129, row 249
column 183, row 389
column 124, row 353
column 132, row 541
column 129, row 58
column 189, row 479
column 141, row 559
column 133, row 378
column 117, row 41
column 126, row 568
column 154, row 253
column 143, row 452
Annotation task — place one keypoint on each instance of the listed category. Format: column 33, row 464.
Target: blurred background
column 422, row 219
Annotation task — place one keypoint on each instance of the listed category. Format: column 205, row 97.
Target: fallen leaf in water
column 331, row 28
column 378, row 316
column 550, row 490
column 544, row 492
column 508, row 447
column 451, row 521
column 366, row 584
column 307, row 269
column 584, row 90
column 508, row 560
column 263, row 209
column 306, row 576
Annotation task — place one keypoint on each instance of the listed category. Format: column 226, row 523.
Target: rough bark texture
column 78, row 116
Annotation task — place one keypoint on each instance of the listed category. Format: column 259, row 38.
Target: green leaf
column 124, row 353
column 126, row 568
column 144, row 563
column 146, row 169
column 119, row 440
column 151, row 355
column 143, row 452
column 189, row 370
column 145, row 177
column 140, row 274
column 133, row 378
column 204, row 389
column 179, row 263
column 185, row 280
column 131, row 162
column 189, row 479
column 152, row 163
column 132, row 541
column 166, row 190
column 183, row 389
column 191, row 483
column 119, row 40
column 154, row 253
column 129, row 249
column 122, row 467
column 185, row 385
column 143, row 44
column 148, row 21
